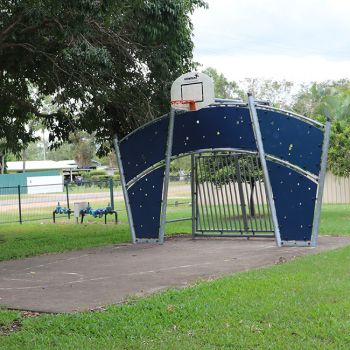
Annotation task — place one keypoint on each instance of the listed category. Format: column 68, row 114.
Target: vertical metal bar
column 124, row 188
column 245, row 160
column 218, row 189
column 261, row 197
column 321, row 180
column 241, row 194
column 168, row 152
column 226, row 182
column 229, row 184
column 213, row 191
column 193, row 197
column 19, row 204
column 238, row 205
column 199, row 189
column 255, row 190
column 260, row 146
column 204, row 181
column 210, row 193
column 252, row 202
column 212, row 210
column 222, row 183
column 111, row 193
column 268, row 208
column 67, row 195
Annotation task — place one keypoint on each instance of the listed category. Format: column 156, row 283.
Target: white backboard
column 195, row 86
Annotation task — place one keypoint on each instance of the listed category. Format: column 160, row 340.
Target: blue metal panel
column 217, row 127
column 145, row 198
column 291, row 139
column 144, row 148
column 294, row 196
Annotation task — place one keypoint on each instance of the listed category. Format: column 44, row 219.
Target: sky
column 296, row 40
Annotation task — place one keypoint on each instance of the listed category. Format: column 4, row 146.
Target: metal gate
column 229, row 196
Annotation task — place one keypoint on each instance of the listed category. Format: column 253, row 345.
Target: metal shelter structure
column 289, row 150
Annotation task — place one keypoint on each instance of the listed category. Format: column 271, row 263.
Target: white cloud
column 299, row 40
column 299, row 69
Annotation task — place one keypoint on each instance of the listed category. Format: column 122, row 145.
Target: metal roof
column 41, row 165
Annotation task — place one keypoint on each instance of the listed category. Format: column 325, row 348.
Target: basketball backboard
column 192, row 86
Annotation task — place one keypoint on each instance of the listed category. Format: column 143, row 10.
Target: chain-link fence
column 39, row 202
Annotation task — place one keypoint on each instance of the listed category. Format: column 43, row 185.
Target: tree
column 330, row 99
column 339, row 151
column 107, row 65
column 2, row 158
column 65, row 151
column 84, row 148
column 222, row 87
column 277, row 92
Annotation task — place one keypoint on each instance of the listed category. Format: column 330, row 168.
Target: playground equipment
column 59, row 210
column 98, row 213
column 257, row 171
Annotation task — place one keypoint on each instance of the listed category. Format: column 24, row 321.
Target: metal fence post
column 321, row 181
column 193, row 197
column 111, row 184
column 168, row 153
column 67, row 195
column 19, row 204
column 260, row 147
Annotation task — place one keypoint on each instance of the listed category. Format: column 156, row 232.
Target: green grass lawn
column 335, row 219
column 304, row 304
column 29, row 239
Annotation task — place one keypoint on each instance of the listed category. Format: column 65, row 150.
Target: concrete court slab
column 87, row 279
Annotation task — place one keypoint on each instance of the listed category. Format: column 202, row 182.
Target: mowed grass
column 40, row 237
column 303, row 304
column 29, row 239
column 335, row 219
column 18, row 241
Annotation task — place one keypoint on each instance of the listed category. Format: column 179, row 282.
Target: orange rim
column 191, row 103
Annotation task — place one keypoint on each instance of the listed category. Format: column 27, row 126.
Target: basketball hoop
column 192, row 91
column 182, row 104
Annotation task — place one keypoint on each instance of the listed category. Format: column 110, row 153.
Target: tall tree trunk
column 251, row 201
column 24, row 160
column 3, row 165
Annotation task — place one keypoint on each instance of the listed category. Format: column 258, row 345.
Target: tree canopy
column 107, row 64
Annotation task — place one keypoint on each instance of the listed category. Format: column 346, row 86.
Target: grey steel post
column 321, row 180
column 67, row 195
column 19, row 204
column 260, row 145
column 125, row 191
column 111, row 192
column 193, row 197
column 168, row 152
column 67, row 198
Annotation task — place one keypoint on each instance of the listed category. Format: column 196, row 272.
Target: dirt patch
column 16, row 325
